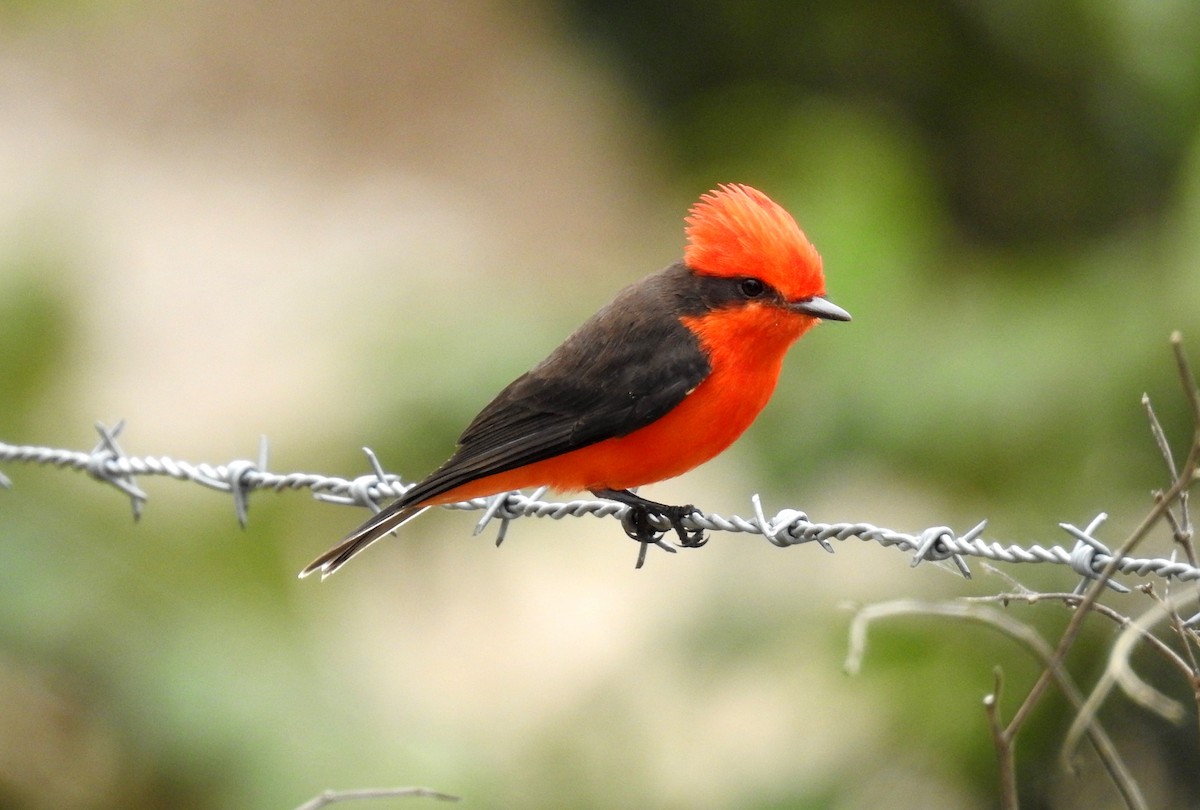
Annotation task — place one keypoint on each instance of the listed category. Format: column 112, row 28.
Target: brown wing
column 626, row 367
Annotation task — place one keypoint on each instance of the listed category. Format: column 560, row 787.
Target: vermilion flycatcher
column 662, row 379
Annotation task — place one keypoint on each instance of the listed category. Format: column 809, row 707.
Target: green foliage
column 1044, row 121
column 35, row 331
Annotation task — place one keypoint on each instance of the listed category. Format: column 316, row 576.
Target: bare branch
column 332, row 796
column 1120, row 672
column 1006, row 761
column 1190, row 388
column 1073, row 600
column 1097, row 587
column 1028, row 638
column 1181, row 527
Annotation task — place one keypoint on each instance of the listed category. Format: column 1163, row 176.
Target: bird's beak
column 818, row 307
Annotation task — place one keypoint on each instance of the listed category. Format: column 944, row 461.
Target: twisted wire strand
column 789, row 527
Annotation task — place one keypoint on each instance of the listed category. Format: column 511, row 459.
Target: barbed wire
column 108, row 463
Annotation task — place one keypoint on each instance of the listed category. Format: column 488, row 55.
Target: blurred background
column 351, row 224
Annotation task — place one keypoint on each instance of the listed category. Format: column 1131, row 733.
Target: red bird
column 662, row 379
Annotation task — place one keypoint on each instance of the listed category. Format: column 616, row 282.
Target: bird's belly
column 705, row 423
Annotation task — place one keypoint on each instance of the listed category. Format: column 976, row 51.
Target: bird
column 665, row 377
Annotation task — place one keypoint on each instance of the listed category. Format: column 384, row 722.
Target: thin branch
column 1190, row 388
column 1181, row 527
column 1005, row 760
column 1098, row 586
column 1073, row 600
column 1120, row 672
column 1186, row 478
column 1027, row 637
column 332, row 796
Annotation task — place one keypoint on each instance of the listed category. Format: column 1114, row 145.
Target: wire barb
column 499, row 507
column 935, row 545
column 104, row 465
column 1090, row 557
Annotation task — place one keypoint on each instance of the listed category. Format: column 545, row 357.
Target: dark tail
column 392, row 517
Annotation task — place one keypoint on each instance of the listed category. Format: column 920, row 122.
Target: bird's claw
column 688, row 539
column 638, row 525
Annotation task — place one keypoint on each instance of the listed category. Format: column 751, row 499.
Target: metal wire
column 789, row 527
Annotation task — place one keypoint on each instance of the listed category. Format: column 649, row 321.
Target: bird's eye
column 751, row 287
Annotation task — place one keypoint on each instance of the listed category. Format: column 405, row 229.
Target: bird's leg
column 638, row 526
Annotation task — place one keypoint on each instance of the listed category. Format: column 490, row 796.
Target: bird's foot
column 639, row 525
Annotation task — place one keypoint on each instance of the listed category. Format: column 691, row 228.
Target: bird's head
column 736, row 231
